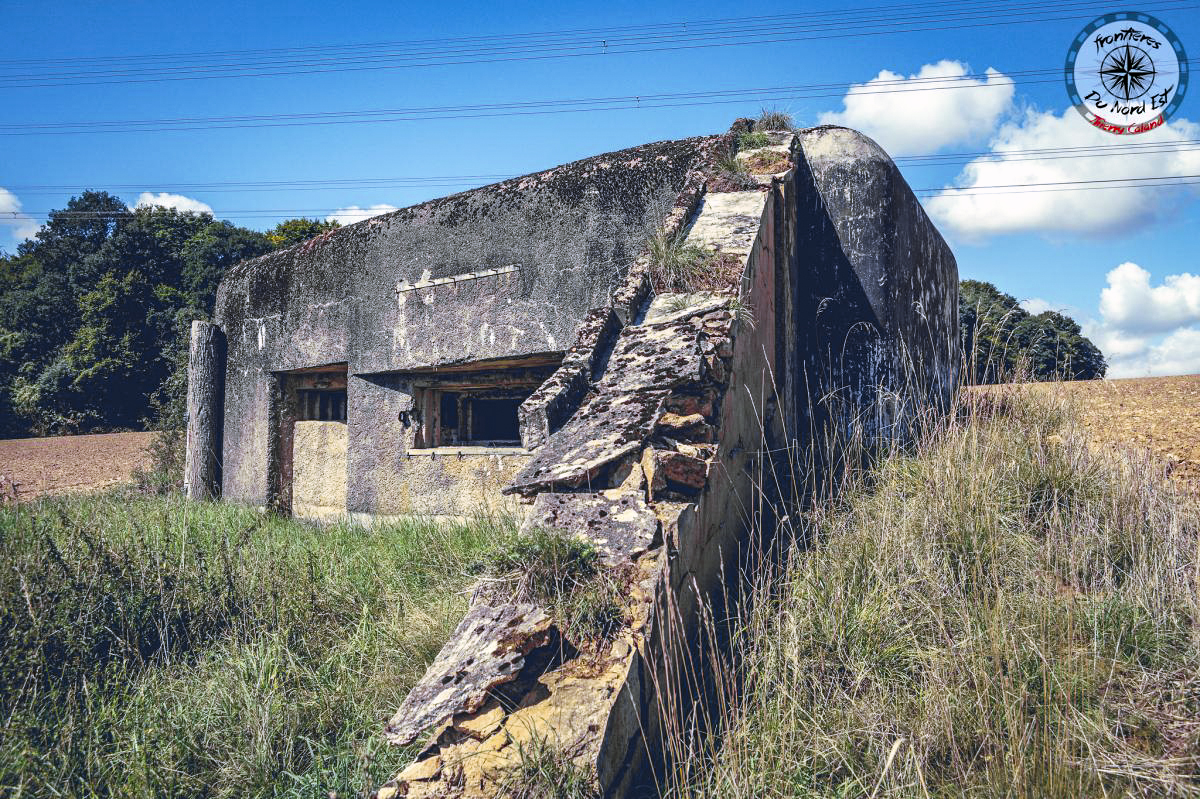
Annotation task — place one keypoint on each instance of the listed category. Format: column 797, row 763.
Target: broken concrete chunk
column 655, row 482
column 628, row 477
column 688, row 404
column 621, row 526
column 608, row 427
column 488, row 648
column 425, row 769
column 682, row 471
column 481, row 724
column 675, row 423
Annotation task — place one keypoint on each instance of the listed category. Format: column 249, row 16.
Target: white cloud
column 1177, row 354
column 1130, row 303
column 18, row 225
column 1036, row 305
column 1116, row 210
column 1134, row 316
column 923, row 113
column 148, row 199
column 353, row 213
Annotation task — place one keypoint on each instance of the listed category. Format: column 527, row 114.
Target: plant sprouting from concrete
column 567, row 574
column 774, row 119
column 546, row 772
column 675, row 264
column 751, row 141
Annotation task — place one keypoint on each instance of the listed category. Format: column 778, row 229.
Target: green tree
column 294, row 231
column 92, row 309
column 1001, row 339
column 210, row 252
column 1054, row 347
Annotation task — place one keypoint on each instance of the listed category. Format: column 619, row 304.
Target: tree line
column 1002, row 341
column 94, row 310
column 94, row 313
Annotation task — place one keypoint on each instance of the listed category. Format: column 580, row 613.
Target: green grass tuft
column 544, row 772
column 751, row 141
column 774, row 119
column 565, row 573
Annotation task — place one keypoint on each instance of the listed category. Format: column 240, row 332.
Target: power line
column 600, row 32
column 870, row 25
column 527, row 108
column 1122, row 148
column 1156, row 181
column 978, row 80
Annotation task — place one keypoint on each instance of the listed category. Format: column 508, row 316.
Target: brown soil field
column 1159, row 414
column 32, row 467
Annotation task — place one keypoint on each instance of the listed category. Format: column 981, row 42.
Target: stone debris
column 488, row 648
column 648, row 362
column 651, row 463
column 621, row 525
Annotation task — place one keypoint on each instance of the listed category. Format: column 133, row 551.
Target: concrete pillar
column 205, row 411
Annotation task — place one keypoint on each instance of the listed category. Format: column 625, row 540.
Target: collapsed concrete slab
column 676, row 445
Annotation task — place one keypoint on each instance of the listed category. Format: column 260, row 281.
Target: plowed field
column 31, row 467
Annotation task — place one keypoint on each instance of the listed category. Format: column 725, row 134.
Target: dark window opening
column 321, row 405
column 495, row 420
column 474, row 405
column 479, row 417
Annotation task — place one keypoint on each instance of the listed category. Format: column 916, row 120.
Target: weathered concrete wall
column 319, row 476
column 660, row 467
column 506, row 270
column 877, row 285
column 449, row 481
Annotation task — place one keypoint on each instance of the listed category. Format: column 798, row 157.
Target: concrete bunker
column 505, row 349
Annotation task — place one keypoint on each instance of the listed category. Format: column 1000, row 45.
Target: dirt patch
column 33, row 467
column 1161, row 414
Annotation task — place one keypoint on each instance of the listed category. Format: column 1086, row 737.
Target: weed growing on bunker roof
column 751, row 141
column 774, row 119
column 675, row 264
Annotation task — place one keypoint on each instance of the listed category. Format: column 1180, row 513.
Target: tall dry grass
column 998, row 609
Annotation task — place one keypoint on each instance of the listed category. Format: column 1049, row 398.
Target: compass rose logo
column 1126, row 72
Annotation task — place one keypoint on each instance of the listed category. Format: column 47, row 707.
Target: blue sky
column 1121, row 261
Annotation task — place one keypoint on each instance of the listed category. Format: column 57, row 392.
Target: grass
column 544, row 772
column 152, row 647
column 774, row 119
column 675, row 264
column 752, row 141
column 567, row 574
column 679, row 267
column 1003, row 612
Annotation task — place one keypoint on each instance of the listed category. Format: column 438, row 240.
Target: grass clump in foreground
column 154, row 647
column 1002, row 612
